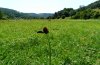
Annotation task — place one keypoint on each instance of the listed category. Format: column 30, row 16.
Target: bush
column 63, row 17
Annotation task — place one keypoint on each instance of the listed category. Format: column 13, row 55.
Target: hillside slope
column 12, row 14
column 92, row 11
column 94, row 5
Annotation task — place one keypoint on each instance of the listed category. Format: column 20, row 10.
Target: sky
column 42, row 6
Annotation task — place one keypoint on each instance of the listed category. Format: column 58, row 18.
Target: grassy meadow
column 73, row 42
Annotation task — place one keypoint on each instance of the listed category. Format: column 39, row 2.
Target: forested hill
column 92, row 11
column 6, row 13
column 94, row 5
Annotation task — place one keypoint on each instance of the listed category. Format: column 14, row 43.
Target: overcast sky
column 42, row 6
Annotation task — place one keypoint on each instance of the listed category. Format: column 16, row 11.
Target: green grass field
column 73, row 42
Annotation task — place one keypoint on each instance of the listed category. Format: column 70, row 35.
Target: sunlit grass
column 74, row 42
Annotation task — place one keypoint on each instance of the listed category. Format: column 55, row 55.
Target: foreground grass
column 73, row 42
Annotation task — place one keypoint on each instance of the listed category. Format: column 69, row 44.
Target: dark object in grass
column 45, row 30
column 40, row 32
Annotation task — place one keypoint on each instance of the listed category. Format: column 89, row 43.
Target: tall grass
column 70, row 42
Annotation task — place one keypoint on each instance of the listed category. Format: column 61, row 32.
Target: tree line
column 92, row 11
